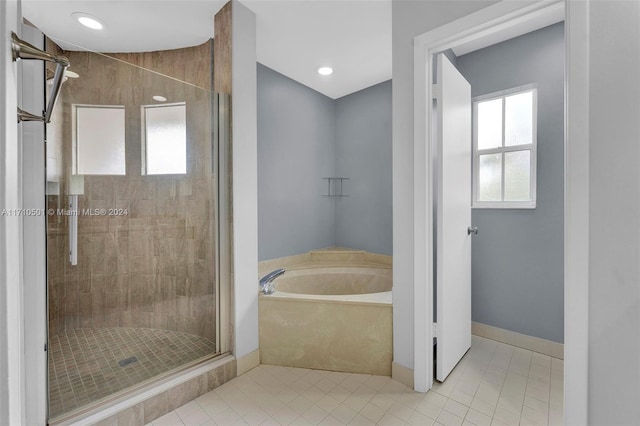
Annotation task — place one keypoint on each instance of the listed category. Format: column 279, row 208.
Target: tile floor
column 83, row 363
column 494, row 384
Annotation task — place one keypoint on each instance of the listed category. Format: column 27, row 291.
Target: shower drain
column 127, row 361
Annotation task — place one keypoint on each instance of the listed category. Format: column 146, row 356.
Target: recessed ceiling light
column 325, row 70
column 88, row 20
column 159, row 98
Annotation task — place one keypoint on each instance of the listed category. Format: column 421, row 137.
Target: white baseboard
column 402, row 374
column 535, row 344
column 248, row 361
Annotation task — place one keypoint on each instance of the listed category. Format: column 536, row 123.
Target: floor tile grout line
column 478, row 364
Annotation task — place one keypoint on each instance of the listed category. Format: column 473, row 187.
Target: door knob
column 472, row 230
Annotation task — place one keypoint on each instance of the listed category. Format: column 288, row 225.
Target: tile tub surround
column 329, row 330
column 335, row 281
column 330, row 256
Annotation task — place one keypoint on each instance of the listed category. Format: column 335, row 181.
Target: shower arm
column 22, row 50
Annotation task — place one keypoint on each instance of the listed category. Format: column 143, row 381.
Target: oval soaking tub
column 331, row 311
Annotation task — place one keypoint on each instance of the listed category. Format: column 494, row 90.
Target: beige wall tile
column 123, row 261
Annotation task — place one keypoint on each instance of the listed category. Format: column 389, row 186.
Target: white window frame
column 143, row 134
column 529, row 204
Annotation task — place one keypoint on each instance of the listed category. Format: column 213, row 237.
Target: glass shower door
column 132, row 287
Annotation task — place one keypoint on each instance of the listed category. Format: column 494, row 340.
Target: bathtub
column 331, row 311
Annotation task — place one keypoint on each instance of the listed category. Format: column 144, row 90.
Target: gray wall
column 518, row 255
column 296, row 148
column 304, row 136
column 363, row 154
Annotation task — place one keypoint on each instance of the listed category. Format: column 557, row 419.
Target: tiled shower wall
column 154, row 267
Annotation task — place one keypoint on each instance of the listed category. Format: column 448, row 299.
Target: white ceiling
column 294, row 37
column 130, row 26
column 353, row 37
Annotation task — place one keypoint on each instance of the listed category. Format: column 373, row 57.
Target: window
column 98, row 140
column 164, row 139
column 504, row 149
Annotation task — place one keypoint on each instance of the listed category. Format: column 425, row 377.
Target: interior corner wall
column 296, row 149
column 305, row 136
column 518, row 254
column 409, row 19
column 364, row 218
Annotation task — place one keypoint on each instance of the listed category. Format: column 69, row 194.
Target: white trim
column 422, row 218
column 491, row 19
column 505, row 92
column 576, row 215
column 487, row 20
column 531, row 147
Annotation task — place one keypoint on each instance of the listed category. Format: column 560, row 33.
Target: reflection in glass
column 490, row 174
column 490, row 124
column 518, row 119
column 517, row 176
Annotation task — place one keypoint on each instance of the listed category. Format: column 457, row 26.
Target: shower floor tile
column 84, row 364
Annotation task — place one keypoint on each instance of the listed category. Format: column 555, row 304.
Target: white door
column 453, row 253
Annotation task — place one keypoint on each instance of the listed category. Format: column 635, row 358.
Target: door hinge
column 435, row 329
column 46, row 347
column 434, row 91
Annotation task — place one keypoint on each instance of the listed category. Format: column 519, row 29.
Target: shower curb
column 154, row 400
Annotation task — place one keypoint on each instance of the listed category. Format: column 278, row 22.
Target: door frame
column 486, row 21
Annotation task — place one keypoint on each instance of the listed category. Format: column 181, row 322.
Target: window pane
column 166, row 138
column 517, row 176
column 490, row 124
column 99, row 140
column 518, row 122
column 490, row 177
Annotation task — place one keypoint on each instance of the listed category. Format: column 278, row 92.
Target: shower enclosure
column 132, row 223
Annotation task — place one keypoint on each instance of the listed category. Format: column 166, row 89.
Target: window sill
column 505, row 205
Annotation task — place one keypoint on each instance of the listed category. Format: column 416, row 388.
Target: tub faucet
column 266, row 282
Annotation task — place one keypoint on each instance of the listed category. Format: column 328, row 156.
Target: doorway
column 495, row 17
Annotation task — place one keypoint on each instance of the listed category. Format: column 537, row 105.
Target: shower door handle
column 472, row 230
